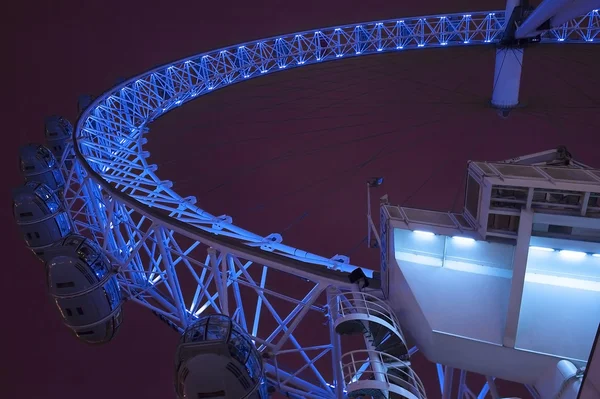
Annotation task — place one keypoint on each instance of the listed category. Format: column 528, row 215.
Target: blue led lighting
column 109, row 161
column 145, row 94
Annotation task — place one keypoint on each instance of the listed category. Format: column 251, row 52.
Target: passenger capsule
column 40, row 216
column 58, row 131
column 217, row 359
column 85, row 290
column 39, row 164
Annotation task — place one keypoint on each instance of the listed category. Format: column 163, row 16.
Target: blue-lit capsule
column 40, row 216
column 216, row 358
column 85, row 290
column 39, row 164
column 58, row 131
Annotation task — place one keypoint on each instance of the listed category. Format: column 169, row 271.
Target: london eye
column 255, row 314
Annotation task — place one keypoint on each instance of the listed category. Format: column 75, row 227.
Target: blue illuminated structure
column 152, row 235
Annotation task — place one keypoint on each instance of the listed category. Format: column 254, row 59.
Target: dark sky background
column 288, row 152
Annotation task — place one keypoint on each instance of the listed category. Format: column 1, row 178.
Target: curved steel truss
column 179, row 260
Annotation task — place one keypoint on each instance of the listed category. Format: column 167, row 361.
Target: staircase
column 381, row 371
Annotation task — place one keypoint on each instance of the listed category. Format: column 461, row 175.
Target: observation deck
column 514, row 279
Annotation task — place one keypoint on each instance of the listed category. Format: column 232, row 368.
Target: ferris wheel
column 110, row 230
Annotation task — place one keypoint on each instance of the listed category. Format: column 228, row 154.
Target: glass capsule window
column 46, row 157
column 111, row 289
column 87, row 254
column 221, row 328
column 53, row 205
column 99, row 267
column 64, row 226
column 73, row 241
column 57, row 176
column 196, row 333
column 43, row 192
column 263, row 389
column 254, row 367
column 239, row 346
column 217, row 328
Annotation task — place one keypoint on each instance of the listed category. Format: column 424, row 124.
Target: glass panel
column 73, row 241
column 239, row 347
column 99, row 267
column 112, row 292
column 52, row 205
column 43, row 192
column 57, row 176
column 253, row 366
column 263, row 391
column 86, row 253
column 63, row 224
column 45, row 156
column 196, row 332
column 218, row 328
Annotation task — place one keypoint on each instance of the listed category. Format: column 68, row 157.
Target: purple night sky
column 287, row 152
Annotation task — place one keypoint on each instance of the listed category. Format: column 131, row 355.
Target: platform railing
column 398, row 376
column 353, row 303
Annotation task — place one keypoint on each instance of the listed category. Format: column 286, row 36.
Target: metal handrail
column 407, row 379
column 351, row 303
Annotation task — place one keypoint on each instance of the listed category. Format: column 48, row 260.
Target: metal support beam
column 312, row 296
column 440, row 373
column 448, row 377
column 556, row 12
column 507, row 73
column 574, row 10
column 279, row 375
column 172, row 281
column 518, row 278
column 543, row 12
column 462, row 381
column 220, row 280
column 336, row 351
column 492, row 385
column 507, row 77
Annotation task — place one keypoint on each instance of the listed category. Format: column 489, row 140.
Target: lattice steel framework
column 154, row 236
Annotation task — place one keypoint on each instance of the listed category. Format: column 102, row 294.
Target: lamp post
column 373, row 182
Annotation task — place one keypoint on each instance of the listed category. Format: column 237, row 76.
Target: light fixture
column 375, row 181
column 572, row 254
column 465, row 240
column 542, row 249
column 424, row 233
